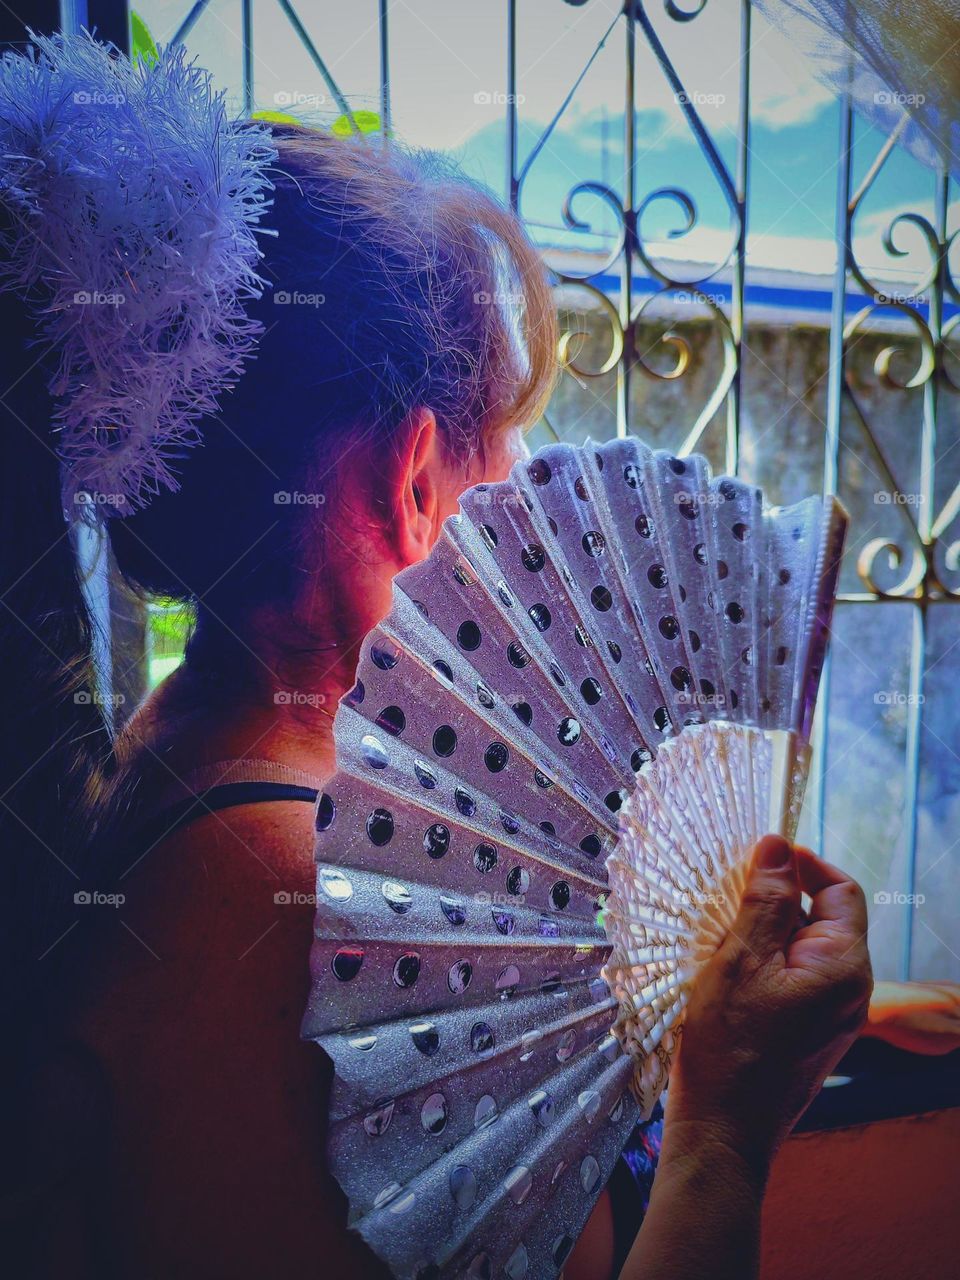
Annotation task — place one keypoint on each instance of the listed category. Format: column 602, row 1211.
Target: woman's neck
column 244, row 695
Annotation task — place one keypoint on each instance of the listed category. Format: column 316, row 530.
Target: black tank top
column 629, row 1185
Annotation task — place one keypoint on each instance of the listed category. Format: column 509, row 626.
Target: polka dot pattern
column 565, row 630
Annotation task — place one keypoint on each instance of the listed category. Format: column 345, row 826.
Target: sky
column 448, row 92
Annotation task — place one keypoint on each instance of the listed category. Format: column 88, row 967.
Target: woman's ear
column 417, row 502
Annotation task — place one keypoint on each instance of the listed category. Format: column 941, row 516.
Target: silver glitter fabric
column 569, row 622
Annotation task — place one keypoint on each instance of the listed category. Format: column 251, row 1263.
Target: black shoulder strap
column 225, row 795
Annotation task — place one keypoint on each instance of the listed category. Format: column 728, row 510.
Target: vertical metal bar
column 918, row 657
column 628, row 358
column 246, row 28
column 386, row 122
column 109, row 20
column 73, row 16
column 735, row 396
column 187, row 25
column 836, row 374
column 93, row 566
column 931, row 388
column 513, row 182
column 313, row 54
column 925, row 521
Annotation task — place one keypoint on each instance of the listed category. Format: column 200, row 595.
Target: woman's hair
column 394, row 282
column 55, row 751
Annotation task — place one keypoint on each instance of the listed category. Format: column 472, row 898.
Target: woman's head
column 409, row 332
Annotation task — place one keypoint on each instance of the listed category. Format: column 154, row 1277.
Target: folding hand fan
column 608, row 641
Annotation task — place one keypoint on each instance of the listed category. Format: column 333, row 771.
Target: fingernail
column 773, row 853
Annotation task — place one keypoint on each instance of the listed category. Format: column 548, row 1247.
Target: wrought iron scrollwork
column 630, row 248
column 922, row 566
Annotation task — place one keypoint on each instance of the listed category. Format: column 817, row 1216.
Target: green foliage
column 142, row 44
column 365, row 122
column 275, row 117
column 170, row 624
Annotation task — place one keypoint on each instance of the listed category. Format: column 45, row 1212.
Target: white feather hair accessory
column 129, row 204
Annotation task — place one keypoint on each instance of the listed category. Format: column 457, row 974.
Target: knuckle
column 733, row 960
column 852, row 1022
column 854, row 985
column 766, row 898
column 853, row 891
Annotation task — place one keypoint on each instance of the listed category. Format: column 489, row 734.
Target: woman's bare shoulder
column 193, row 1006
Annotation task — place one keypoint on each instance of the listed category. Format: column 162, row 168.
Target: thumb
column 771, row 899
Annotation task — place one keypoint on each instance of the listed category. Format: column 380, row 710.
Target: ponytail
column 127, row 179
column 55, row 755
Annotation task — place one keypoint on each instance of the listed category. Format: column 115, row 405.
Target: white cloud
column 443, row 56
column 705, row 54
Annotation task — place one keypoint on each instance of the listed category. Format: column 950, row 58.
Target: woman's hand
column 770, row 1015
column 777, row 1006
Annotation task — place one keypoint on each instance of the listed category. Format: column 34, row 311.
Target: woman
column 385, row 385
